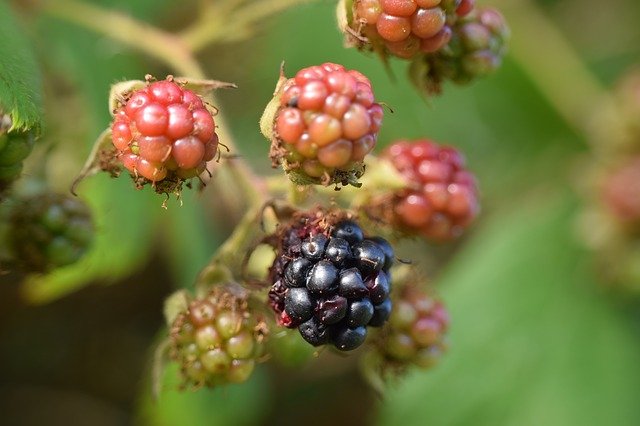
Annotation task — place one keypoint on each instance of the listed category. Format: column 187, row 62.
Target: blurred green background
column 535, row 338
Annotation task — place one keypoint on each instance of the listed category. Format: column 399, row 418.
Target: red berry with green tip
column 326, row 123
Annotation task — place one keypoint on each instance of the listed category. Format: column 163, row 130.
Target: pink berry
column 399, row 7
column 164, row 131
column 188, row 152
column 154, row 148
column 441, row 198
column 393, row 28
column 165, row 92
column 180, row 121
column 152, row 120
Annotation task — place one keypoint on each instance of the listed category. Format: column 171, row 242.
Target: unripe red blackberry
column 621, row 192
column 322, row 123
column 477, row 46
column 217, row 339
column 330, row 281
column 416, row 331
column 14, row 148
column 48, row 231
column 402, row 28
column 163, row 133
column 441, row 198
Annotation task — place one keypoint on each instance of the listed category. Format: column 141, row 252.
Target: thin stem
column 156, row 43
column 552, row 63
column 229, row 258
column 232, row 25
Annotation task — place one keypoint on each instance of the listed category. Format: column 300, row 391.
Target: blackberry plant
column 337, row 266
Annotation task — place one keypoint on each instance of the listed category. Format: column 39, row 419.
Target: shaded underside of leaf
column 533, row 341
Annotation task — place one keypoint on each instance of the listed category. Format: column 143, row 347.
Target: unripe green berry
column 217, row 339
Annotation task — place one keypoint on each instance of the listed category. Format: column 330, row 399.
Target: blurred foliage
column 534, row 339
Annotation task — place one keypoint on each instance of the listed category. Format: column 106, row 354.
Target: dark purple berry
column 389, row 254
column 330, row 286
column 296, row 273
column 338, row 251
column 314, row 332
column 347, row 339
column 381, row 313
column 314, row 248
column 298, row 304
column 378, row 288
column 349, row 231
column 351, row 284
column 359, row 313
column 322, row 277
column 369, row 257
column 331, row 310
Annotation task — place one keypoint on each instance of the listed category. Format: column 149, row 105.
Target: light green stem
column 552, row 63
column 222, row 23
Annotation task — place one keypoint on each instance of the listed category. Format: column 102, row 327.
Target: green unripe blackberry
column 48, row 230
column 217, row 340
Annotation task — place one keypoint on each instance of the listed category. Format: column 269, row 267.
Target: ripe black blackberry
column 330, row 281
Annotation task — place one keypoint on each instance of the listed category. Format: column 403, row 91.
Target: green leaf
column 532, row 340
column 20, row 82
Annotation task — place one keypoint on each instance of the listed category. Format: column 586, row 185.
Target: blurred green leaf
column 532, row 340
column 20, row 81
column 242, row 404
column 123, row 240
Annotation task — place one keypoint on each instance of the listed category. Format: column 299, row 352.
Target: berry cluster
column 164, row 131
column 48, row 231
column 217, row 339
column 621, row 192
column 404, row 28
column 327, row 121
column 331, row 283
column 476, row 49
column 441, row 197
column 14, row 148
column 416, row 331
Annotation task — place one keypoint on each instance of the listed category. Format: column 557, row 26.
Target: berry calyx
column 440, row 199
column 48, row 231
column 322, row 123
column 163, row 134
column 329, row 280
column 217, row 339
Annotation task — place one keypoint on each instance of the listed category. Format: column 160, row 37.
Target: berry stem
column 226, row 22
column 226, row 260
column 542, row 50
